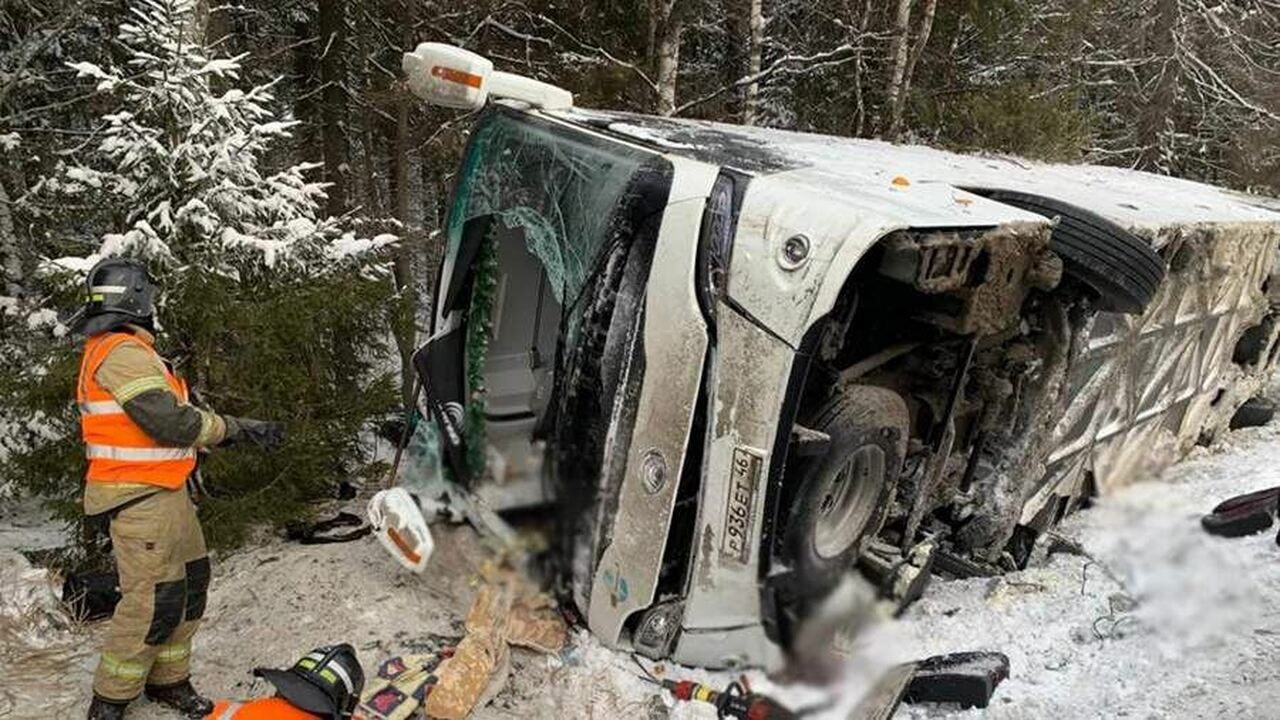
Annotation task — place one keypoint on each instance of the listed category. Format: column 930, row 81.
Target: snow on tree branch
column 183, row 162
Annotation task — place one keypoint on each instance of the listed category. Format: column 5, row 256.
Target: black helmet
column 328, row 681
column 117, row 291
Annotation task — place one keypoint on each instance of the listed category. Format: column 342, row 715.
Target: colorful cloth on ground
column 400, row 687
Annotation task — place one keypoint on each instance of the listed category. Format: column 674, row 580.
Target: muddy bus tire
column 1116, row 264
column 843, row 496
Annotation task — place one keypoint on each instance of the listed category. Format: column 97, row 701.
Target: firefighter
column 141, row 434
column 326, row 684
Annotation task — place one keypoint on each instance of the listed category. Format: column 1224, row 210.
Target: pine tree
column 270, row 308
column 180, row 159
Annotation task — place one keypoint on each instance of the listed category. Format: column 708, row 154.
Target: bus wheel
column 843, row 495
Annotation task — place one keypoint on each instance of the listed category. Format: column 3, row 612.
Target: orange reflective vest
column 119, row 450
column 265, row 709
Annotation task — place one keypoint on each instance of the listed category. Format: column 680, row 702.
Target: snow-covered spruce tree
column 270, row 309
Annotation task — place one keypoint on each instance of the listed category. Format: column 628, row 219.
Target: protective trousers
column 164, row 582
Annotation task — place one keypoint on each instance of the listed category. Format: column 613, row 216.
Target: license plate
column 745, row 477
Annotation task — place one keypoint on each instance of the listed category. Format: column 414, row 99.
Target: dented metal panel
column 840, row 228
column 749, row 376
column 675, row 343
column 1145, row 389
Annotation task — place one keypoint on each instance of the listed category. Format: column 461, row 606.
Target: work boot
column 101, row 709
column 181, row 697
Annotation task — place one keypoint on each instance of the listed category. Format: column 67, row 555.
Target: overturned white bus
column 746, row 362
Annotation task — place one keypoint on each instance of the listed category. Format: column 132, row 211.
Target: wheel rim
column 847, row 501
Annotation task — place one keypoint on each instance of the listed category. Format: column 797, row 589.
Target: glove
column 264, row 434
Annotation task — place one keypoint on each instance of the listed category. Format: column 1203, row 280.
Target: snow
column 84, row 175
column 278, row 128
column 350, row 246
column 46, row 318
column 10, row 141
column 202, row 182
column 73, row 264
column 1201, row 640
column 1163, row 621
column 857, row 170
column 649, row 136
column 107, row 81
column 222, row 66
column 141, row 238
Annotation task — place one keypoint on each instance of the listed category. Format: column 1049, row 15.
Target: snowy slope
column 1202, row 642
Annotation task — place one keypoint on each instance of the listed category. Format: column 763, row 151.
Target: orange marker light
column 457, row 76
column 404, row 545
column 900, row 181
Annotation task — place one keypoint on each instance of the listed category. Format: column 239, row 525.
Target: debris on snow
column 1138, row 613
column 505, row 613
column 1159, row 620
column 28, row 604
column 966, row 679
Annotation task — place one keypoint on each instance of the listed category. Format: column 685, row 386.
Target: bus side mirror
column 449, row 76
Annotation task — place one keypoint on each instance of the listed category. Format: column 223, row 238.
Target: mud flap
column 968, row 679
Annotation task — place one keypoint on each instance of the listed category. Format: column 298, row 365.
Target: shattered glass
column 563, row 190
column 576, row 199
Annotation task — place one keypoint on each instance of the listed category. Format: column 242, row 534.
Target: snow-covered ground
column 1159, row 621
column 1202, row 640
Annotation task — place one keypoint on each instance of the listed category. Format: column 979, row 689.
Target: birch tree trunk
column 898, row 51
column 402, row 268
column 667, row 65
column 917, row 49
column 859, row 72
column 751, row 104
column 1158, row 110
column 407, row 182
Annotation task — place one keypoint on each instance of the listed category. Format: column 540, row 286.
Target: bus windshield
column 571, row 193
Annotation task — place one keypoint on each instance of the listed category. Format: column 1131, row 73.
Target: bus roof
column 1137, row 200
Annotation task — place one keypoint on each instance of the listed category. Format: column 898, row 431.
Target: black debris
column 1255, row 412
column 968, row 679
column 328, row 531
column 961, row 567
column 1243, row 515
column 91, row 596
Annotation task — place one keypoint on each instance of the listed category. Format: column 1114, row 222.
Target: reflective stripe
column 111, row 452
column 174, row 653
column 230, row 711
column 101, row 407
column 208, row 427
column 346, row 679
column 108, row 288
column 133, row 389
column 337, row 669
column 124, row 669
